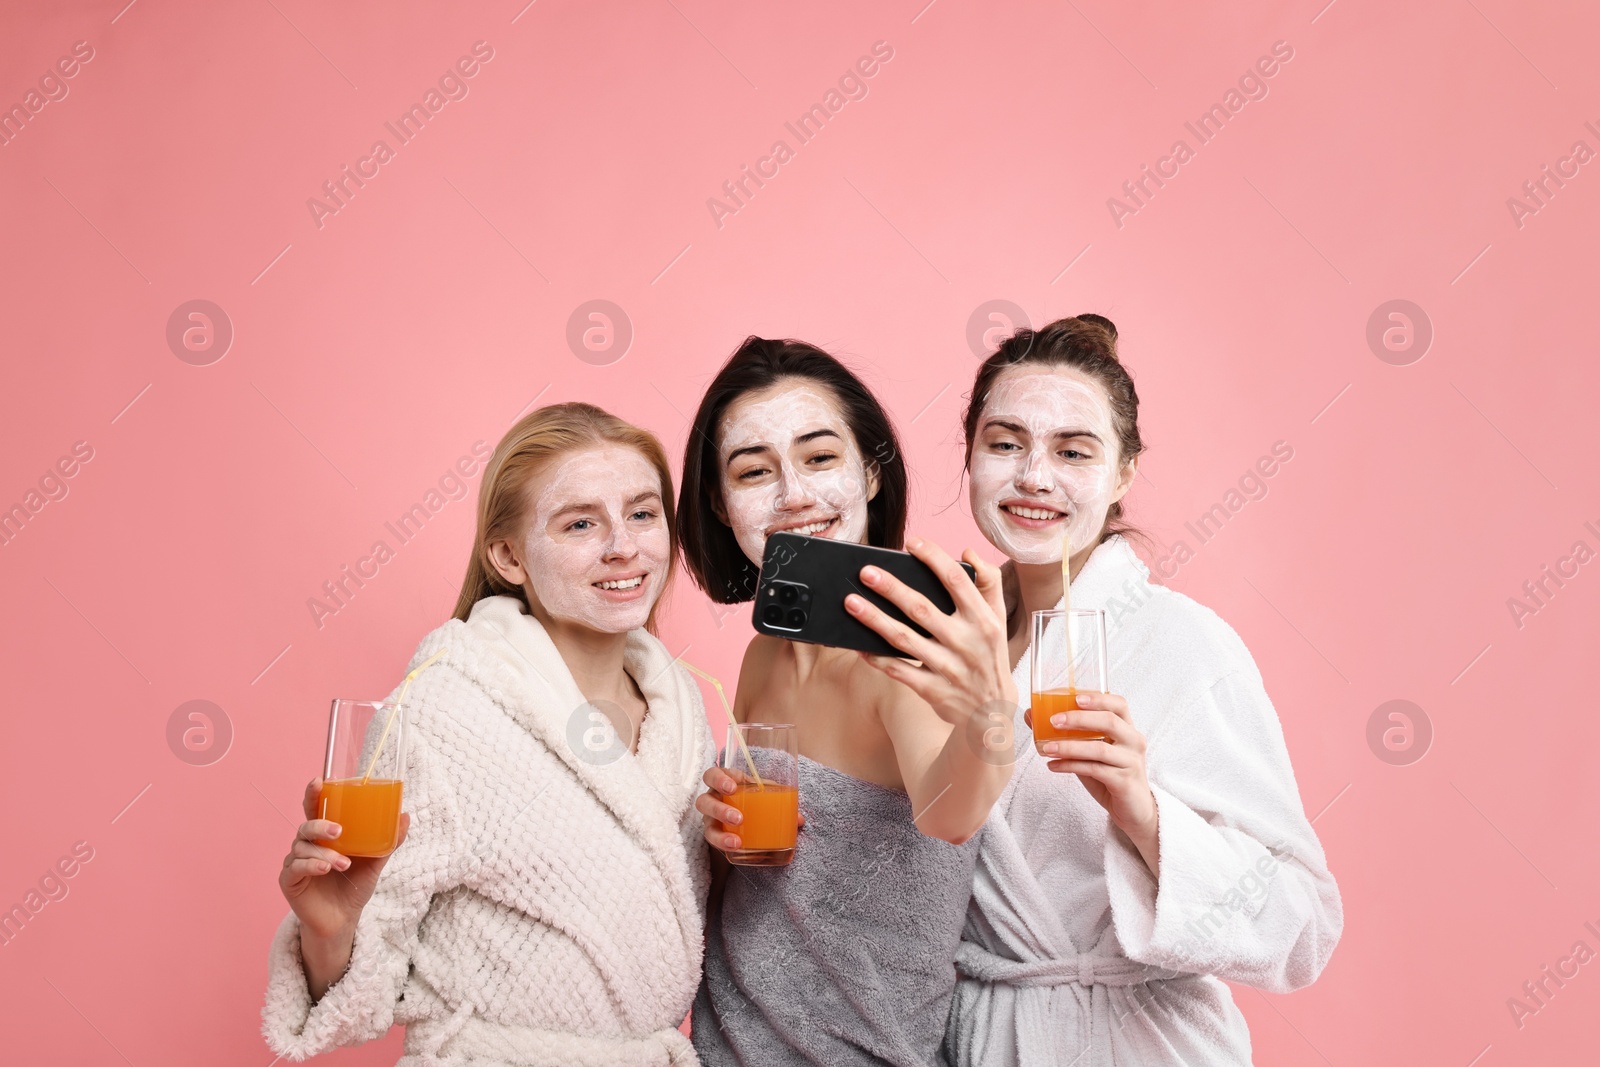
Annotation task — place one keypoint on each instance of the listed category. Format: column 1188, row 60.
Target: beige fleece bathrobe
column 547, row 907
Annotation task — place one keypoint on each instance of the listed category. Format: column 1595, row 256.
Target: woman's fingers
column 1122, row 733
column 903, row 637
column 990, row 583
column 966, row 595
column 717, row 817
column 1111, row 702
column 298, row 868
column 1100, row 772
column 309, row 801
column 717, row 836
column 307, row 860
column 961, row 642
column 967, row 600
column 1091, row 751
column 1118, row 729
column 933, row 689
column 317, row 830
column 712, row 808
column 918, row 608
column 925, row 683
column 917, row 679
column 308, row 851
column 719, row 779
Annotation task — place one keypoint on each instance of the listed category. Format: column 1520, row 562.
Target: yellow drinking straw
column 1066, row 604
column 737, row 736
column 401, row 699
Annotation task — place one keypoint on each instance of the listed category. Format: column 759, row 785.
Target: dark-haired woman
column 1123, row 880
column 844, row 956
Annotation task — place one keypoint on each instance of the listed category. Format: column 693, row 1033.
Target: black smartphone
column 804, row 581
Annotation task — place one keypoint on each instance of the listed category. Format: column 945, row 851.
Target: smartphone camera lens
column 786, row 605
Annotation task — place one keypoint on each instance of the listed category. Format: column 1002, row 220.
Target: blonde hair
column 539, row 438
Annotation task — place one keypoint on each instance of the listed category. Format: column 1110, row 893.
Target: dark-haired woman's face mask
column 1044, row 464
column 790, row 463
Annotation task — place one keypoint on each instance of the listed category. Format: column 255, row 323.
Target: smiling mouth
column 621, row 584
column 810, row 529
column 1033, row 514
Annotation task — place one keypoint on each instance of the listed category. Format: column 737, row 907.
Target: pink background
column 371, row 353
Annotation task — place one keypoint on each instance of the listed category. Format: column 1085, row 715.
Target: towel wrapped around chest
column 845, row 956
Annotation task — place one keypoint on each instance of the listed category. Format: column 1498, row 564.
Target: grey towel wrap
column 844, row 958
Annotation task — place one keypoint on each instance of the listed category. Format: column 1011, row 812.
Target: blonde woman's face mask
column 597, row 548
column 1045, row 463
column 789, row 462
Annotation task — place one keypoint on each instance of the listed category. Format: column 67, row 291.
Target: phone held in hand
column 804, row 581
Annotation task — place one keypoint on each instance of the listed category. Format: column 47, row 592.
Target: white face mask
column 1044, row 463
column 598, row 518
column 789, row 462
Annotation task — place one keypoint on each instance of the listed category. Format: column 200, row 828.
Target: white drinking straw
column 1066, row 604
column 401, row 699
column 738, row 735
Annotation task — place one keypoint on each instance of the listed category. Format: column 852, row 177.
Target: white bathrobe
column 1073, row 953
column 547, row 907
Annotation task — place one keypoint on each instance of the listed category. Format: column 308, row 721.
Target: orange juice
column 771, row 818
column 367, row 812
column 1054, row 702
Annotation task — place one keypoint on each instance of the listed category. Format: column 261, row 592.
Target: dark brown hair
column 1087, row 343
column 710, row 552
column 537, row 440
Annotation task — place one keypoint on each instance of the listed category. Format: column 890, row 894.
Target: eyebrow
column 805, row 438
column 1018, row 428
column 745, row 451
column 595, row 505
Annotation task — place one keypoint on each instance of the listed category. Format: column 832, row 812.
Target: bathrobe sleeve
column 693, row 828
column 361, row 1005
column 1244, row 893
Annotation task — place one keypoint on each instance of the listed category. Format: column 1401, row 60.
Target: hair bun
column 1100, row 320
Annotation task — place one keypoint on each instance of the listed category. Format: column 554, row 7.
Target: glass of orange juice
column 1059, row 674
column 362, row 778
column 763, row 758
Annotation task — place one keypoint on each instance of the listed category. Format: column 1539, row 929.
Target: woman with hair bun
column 1121, row 881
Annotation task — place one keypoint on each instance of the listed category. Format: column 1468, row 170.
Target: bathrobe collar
column 646, row 791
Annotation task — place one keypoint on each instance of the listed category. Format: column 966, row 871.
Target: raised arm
column 952, row 723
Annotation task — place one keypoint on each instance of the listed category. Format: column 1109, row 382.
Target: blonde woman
column 545, row 905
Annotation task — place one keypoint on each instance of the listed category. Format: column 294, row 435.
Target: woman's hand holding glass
column 327, row 891
column 722, row 819
column 1113, row 770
